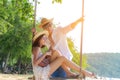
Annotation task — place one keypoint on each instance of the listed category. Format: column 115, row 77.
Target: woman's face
column 43, row 40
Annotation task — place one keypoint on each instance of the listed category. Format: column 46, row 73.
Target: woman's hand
column 48, row 53
column 33, row 30
column 46, row 60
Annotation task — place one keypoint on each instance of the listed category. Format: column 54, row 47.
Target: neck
column 50, row 32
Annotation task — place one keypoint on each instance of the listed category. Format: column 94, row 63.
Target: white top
column 60, row 40
column 41, row 73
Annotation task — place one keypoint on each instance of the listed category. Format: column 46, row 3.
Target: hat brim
column 39, row 34
column 41, row 25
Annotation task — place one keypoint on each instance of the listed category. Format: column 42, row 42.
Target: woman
column 53, row 60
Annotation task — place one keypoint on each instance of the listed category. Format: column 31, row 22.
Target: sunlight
column 101, row 25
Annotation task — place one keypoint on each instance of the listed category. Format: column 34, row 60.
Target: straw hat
column 39, row 34
column 45, row 21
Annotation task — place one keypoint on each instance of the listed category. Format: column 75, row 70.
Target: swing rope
column 81, row 42
column 35, row 14
column 34, row 22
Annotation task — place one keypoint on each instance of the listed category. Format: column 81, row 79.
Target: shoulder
column 35, row 50
column 58, row 28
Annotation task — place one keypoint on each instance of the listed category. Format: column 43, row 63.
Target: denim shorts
column 59, row 73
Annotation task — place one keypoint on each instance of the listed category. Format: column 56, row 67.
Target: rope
column 34, row 22
column 35, row 14
column 81, row 43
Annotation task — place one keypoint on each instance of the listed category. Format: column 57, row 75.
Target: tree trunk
column 19, row 65
column 6, row 62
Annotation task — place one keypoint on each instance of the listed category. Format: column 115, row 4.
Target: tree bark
column 6, row 62
column 19, row 65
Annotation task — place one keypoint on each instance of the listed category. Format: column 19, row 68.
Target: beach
column 14, row 77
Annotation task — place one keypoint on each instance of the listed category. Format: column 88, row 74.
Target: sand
column 14, row 77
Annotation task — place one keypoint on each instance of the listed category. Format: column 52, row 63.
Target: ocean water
column 102, row 78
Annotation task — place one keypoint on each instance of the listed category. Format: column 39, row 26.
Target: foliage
column 57, row 1
column 16, row 18
column 76, row 54
column 104, row 64
column 15, row 31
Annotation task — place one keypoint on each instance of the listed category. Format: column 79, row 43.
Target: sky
column 101, row 24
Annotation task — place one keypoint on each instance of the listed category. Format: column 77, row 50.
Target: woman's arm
column 37, row 60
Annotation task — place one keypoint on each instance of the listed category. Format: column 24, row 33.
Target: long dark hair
column 36, row 42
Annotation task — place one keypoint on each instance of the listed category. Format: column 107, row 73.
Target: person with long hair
column 44, row 64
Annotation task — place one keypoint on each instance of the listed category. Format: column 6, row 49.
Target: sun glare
column 101, row 25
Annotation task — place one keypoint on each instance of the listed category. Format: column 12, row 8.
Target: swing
column 81, row 76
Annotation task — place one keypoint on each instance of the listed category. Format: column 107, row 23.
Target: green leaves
column 76, row 54
column 15, row 30
column 44, row 50
column 57, row 1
